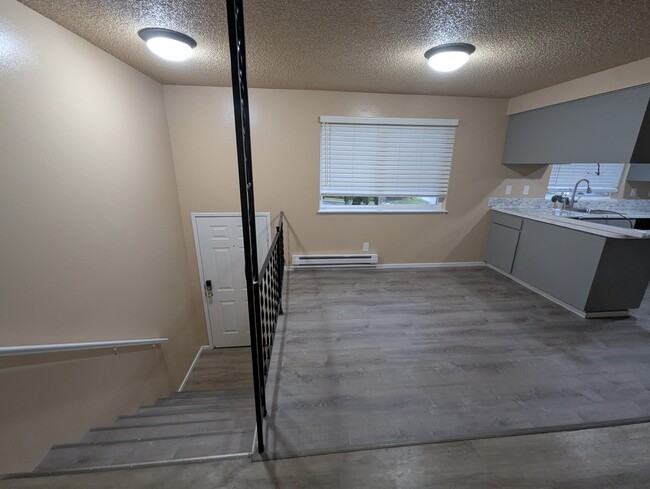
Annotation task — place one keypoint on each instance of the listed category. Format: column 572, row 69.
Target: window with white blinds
column 385, row 161
column 604, row 178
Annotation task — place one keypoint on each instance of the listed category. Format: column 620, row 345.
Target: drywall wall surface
column 285, row 153
column 624, row 76
column 91, row 241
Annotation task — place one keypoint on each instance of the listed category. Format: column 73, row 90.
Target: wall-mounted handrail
column 88, row 345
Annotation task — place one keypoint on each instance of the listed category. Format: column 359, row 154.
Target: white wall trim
column 393, row 121
column 254, row 445
column 189, row 371
column 388, row 266
column 451, row 264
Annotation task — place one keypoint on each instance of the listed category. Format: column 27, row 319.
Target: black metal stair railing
column 268, row 293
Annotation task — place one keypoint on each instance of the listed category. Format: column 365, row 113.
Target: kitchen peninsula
column 591, row 268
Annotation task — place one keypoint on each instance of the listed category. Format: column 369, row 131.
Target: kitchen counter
column 579, row 221
column 595, row 270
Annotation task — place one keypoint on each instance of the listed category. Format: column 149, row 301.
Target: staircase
column 184, row 427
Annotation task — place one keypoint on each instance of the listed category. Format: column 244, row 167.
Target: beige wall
column 91, row 239
column 93, row 245
column 285, row 145
column 624, row 76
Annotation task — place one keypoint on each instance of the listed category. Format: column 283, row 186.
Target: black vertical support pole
column 242, row 133
column 280, row 231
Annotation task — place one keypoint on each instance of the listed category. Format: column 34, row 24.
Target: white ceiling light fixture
column 449, row 57
column 168, row 44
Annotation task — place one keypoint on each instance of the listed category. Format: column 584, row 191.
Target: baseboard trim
column 254, row 444
column 388, row 266
column 450, row 264
column 568, row 307
column 189, row 371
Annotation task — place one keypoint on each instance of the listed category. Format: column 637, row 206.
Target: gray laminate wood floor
column 448, row 351
column 222, row 368
column 367, row 358
column 607, row 458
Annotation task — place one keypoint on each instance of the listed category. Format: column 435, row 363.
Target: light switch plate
column 508, row 189
column 526, row 189
column 366, row 246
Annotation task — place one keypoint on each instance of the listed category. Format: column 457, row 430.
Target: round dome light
column 168, row 44
column 449, row 57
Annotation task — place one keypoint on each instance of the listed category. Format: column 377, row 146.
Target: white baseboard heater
column 338, row 260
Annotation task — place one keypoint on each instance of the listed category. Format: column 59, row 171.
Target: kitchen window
column 385, row 165
column 604, row 179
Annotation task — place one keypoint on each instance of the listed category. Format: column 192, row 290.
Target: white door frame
column 194, row 217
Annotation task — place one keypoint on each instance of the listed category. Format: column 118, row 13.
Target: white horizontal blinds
column 389, row 160
column 564, row 177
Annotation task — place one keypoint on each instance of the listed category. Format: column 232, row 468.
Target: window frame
column 598, row 192
column 382, row 208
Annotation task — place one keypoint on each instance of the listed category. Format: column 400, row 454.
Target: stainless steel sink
column 587, row 214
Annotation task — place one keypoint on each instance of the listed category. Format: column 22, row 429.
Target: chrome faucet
column 575, row 189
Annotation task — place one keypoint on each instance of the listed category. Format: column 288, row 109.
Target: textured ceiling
column 373, row 45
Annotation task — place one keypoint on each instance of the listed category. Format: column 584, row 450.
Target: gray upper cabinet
column 610, row 128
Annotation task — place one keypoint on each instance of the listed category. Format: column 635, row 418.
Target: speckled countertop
column 629, row 207
column 579, row 221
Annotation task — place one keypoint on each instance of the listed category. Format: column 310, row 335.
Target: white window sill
column 382, row 211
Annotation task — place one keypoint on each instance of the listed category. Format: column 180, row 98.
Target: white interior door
column 220, row 248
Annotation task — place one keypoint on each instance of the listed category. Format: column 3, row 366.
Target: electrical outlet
column 508, row 189
column 633, row 192
column 526, row 189
column 366, row 246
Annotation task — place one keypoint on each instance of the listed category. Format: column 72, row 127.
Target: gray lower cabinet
column 559, row 261
column 589, row 272
column 501, row 246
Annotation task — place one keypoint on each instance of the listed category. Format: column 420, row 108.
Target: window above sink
column 605, row 179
